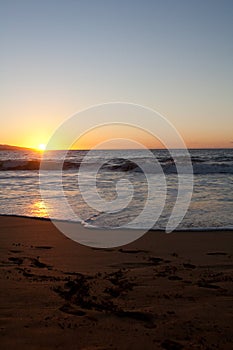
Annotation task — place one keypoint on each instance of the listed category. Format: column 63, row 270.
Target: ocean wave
column 169, row 167
column 122, row 165
column 22, row 164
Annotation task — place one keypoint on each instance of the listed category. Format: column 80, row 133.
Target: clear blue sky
column 59, row 56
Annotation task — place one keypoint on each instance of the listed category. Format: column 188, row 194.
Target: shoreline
column 189, row 229
column 159, row 292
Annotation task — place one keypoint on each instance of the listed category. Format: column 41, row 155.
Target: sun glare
column 41, row 147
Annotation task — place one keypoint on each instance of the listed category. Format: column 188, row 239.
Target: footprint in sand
column 43, row 247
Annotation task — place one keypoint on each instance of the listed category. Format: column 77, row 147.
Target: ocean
column 211, row 205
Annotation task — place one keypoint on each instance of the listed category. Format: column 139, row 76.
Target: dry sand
column 161, row 292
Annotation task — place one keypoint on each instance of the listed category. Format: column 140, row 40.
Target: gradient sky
column 60, row 56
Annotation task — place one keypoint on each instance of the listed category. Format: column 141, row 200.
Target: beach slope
column 164, row 291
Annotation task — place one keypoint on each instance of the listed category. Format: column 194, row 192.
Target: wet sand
column 161, row 292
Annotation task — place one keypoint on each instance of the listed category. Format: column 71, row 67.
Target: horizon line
column 14, row 147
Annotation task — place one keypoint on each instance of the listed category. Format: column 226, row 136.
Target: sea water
column 211, row 206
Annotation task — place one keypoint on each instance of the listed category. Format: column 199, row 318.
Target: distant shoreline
column 15, row 148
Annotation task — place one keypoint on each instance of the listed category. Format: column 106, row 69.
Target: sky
column 61, row 56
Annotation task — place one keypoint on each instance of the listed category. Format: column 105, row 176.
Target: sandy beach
column 164, row 291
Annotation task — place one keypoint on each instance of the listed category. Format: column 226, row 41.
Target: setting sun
column 41, row 147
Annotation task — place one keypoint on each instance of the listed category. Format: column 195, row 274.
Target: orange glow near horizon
column 98, row 135
column 108, row 132
column 103, row 133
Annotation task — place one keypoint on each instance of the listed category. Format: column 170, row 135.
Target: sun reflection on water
column 39, row 209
